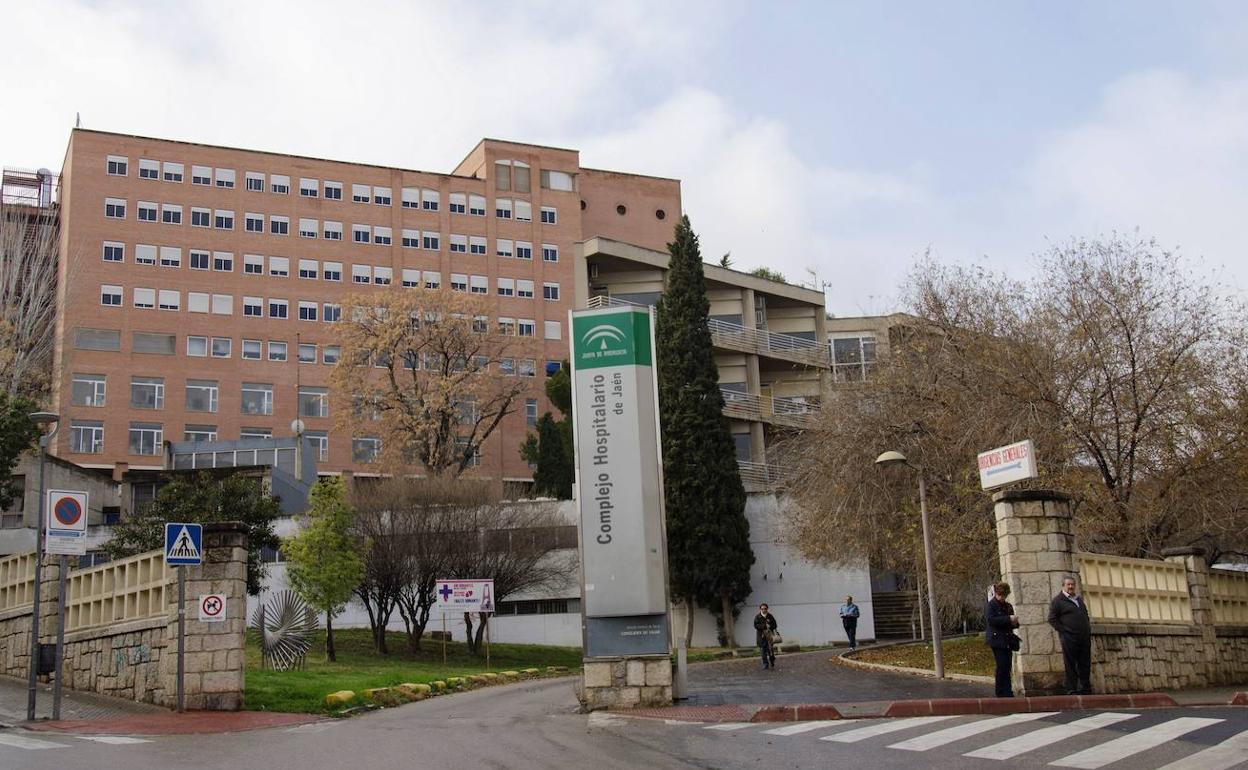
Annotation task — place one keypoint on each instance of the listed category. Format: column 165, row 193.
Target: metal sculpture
column 285, row 625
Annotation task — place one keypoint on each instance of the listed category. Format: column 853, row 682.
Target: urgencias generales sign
column 1007, row 464
column 619, row 482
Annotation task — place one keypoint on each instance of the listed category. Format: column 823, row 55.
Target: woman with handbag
column 768, row 636
column 1000, row 636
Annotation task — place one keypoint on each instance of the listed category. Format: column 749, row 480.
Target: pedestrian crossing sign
column 184, row 544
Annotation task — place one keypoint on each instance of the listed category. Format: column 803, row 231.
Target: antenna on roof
column 77, row 120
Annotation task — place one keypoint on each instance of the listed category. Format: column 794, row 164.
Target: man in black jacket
column 1068, row 614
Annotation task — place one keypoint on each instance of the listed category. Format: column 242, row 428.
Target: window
column 433, row 279
column 528, row 367
column 309, row 188
column 507, row 366
column 506, row 287
column 147, row 211
column 223, row 220
column 476, row 244
column 245, row 433
column 222, row 347
column 145, row 298
column 225, row 178
column 277, row 350
column 459, row 244
column 114, row 208
column 525, row 327
column 145, row 254
column 88, row 390
column 117, row 165
column 382, row 276
column 480, row 324
column 333, row 231
column 319, row 440
column 476, row 205
column 114, row 252
column 432, row 241
column 502, row 175
column 86, row 436
column 504, row 247
column 223, row 261
column 502, row 208
column 201, row 395
column 524, row 250
column 361, row 274
column 110, row 295
column 223, row 304
column 97, row 339
column 853, row 358
column 146, row 438
column 201, row 175
column 549, row 216
column 382, row 236
column 197, row 346
column 557, row 180
column 457, row 203
column 170, row 299
column 410, row 197
column 331, row 354
column 520, row 176
column 197, row 302
column 410, row 278
column 429, row 200
column 381, row 196
column 201, row 217
column 307, row 311
column 459, row 282
column 279, row 267
column 252, row 349
column 365, row 450
column 530, row 412
column 279, row 225
column 332, row 271
column 147, row 393
column 550, row 291
column 307, row 269
column 361, row 193
column 552, row 330
column 253, row 307
column 479, row 285
column 199, row 433
column 279, row 184
column 307, row 227
column 254, row 181
column 550, row 252
column 173, row 172
column 524, row 211
column 333, row 191
column 170, row 214
column 253, row 264
column 313, row 402
column 253, row 223
column 149, row 169
column 257, row 398
column 507, row 326
column 307, row 353
column 410, row 239
column 524, row 288
column 279, row 308
column 361, row 233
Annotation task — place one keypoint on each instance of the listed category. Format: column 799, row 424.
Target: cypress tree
column 708, row 536
column 553, row 476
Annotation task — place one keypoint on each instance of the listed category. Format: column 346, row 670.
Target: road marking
column 951, row 734
column 1228, row 753
column 803, row 727
column 882, row 728
column 1134, row 743
column 33, row 744
column 1040, row 738
column 729, row 726
column 680, row 722
column 114, row 740
column 313, row 727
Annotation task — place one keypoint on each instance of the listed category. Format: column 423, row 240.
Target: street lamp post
column 40, row 419
column 897, row 458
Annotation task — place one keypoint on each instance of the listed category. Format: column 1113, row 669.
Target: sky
column 834, row 141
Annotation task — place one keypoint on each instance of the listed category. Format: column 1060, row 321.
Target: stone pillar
column 1193, row 561
column 626, row 682
column 1036, row 545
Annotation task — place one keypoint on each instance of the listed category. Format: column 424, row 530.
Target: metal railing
column 761, row 476
column 127, row 589
column 17, row 581
column 1126, row 590
column 1228, row 589
column 782, row 411
column 601, row 301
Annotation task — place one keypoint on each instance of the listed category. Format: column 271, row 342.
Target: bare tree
column 29, row 244
column 387, row 567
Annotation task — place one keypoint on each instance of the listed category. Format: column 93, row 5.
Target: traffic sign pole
column 60, row 638
column 444, row 638
column 181, row 638
column 31, row 688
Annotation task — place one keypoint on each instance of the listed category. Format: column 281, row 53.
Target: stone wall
column 137, row 660
column 626, row 682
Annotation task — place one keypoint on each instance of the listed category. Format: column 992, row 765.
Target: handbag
column 1016, row 643
column 776, row 638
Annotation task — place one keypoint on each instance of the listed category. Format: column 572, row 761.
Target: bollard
column 680, row 691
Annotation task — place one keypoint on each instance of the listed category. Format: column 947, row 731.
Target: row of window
column 147, row 439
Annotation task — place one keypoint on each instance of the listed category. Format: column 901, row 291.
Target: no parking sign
column 66, row 531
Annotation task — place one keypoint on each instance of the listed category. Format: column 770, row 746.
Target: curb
column 1240, row 699
column 845, row 660
column 957, row 706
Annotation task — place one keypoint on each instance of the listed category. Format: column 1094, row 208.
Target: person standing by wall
column 765, row 627
column 1000, row 637
column 849, row 619
column 1068, row 614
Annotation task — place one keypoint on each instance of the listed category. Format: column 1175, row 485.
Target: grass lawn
column 964, row 655
column 359, row 667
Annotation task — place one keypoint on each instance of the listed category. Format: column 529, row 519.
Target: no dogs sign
column 212, row 608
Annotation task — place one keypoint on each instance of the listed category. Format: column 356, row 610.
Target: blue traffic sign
column 184, row 544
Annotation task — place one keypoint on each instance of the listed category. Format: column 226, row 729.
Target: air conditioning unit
column 593, row 271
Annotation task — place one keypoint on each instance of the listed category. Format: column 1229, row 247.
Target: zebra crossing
column 1049, row 738
column 22, row 741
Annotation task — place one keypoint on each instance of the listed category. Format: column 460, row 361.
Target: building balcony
column 761, row 477
column 777, row 411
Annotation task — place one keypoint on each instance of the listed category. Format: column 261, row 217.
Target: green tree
column 204, row 499
column 708, row 536
column 17, row 434
column 768, row 274
column 323, row 563
column 555, row 464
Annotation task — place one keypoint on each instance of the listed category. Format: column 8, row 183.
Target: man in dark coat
column 1068, row 614
column 999, row 635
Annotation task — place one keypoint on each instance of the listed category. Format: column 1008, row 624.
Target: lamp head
column 890, row 458
column 44, row 418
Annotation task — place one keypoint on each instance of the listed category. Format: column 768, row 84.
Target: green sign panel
column 620, row 338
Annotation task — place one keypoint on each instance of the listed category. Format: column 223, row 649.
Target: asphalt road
column 534, row 725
